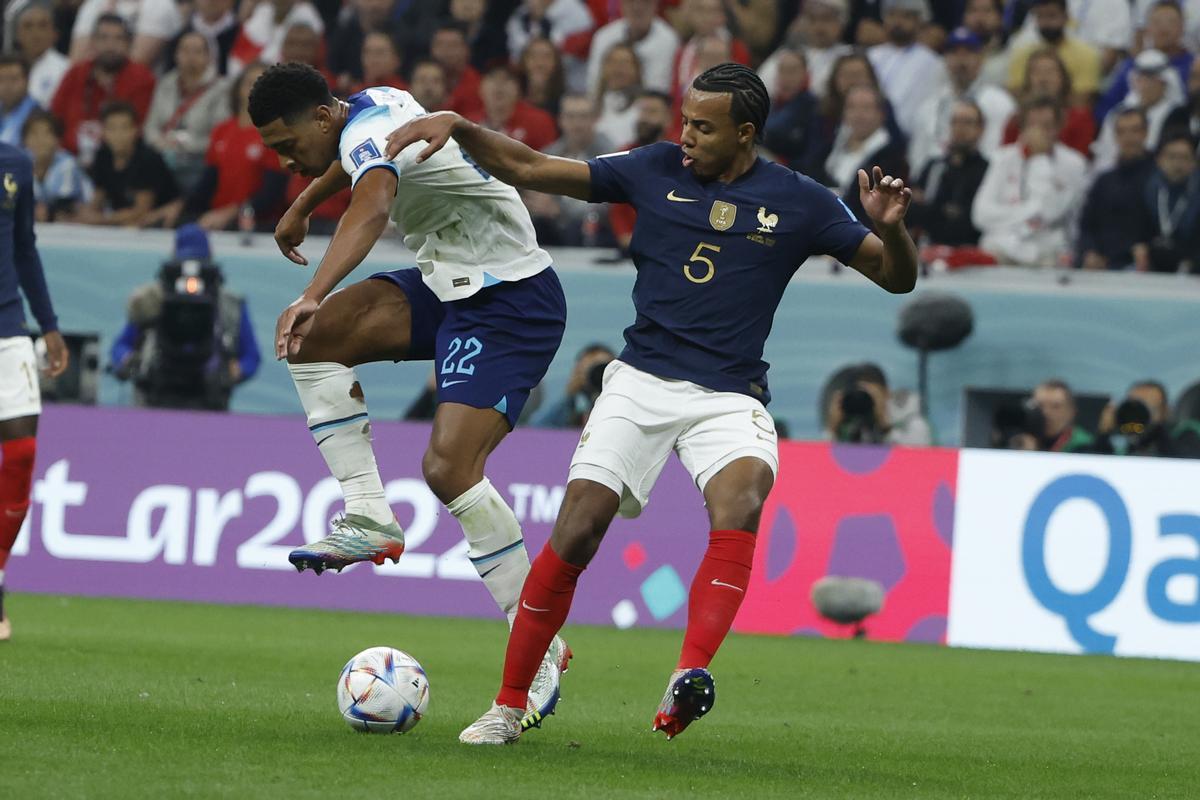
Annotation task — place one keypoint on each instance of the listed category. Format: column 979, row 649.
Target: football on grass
column 382, row 690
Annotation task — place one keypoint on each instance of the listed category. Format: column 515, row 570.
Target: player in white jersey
column 483, row 303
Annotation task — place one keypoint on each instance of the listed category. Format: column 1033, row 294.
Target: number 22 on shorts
column 458, row 359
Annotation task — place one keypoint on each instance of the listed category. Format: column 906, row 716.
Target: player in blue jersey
column 483, row 303
column 20, row 398
column 720, row 232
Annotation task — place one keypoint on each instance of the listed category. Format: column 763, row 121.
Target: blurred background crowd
column 1054, row 133
column 1037, row 133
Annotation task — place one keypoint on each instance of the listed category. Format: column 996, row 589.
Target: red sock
column 545, row 602
column 16, row 476
column 717, row 592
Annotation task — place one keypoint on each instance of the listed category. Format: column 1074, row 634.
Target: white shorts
column 20, row 395
column 640, row 418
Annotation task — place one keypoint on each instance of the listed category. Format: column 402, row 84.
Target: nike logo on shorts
column 528, row 607
column 716, row 582
column 676, row 199
column 448, row 384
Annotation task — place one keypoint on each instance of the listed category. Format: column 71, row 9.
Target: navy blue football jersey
column 714, row 259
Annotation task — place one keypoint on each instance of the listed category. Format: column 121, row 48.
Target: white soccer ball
column 382, row 690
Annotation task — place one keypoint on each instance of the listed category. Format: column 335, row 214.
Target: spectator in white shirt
column 35, row 38
column 263, row 32
column 1024, row 206
column 1155, row 90
column 985, row 19
column 154, row 23
column 654, row 41
column 552, row 19
column 909, row 71
column 964, row 60
column 620, row 85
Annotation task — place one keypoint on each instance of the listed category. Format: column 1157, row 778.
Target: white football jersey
column 468, row 229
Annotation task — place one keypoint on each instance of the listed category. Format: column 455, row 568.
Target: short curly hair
column 287, row 91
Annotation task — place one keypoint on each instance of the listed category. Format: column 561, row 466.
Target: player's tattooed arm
column 889, row 259
column 506, row 159
column 293, row 226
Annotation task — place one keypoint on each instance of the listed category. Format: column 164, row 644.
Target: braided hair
column 750, row 102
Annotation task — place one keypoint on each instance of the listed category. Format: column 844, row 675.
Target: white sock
column 496, row 547
column 342, row 430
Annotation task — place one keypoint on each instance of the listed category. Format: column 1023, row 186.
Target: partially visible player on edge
column 483, row 303
column 720, row 232
column 20, row 398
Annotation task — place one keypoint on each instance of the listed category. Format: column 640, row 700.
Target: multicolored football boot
column 691, row 693
column 353, row 539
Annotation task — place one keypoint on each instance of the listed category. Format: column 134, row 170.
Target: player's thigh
column 20, row 394
column 373, row 320
column 732, row 453
column 628, row 436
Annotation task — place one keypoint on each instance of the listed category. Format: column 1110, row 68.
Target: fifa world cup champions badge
column 722, row 215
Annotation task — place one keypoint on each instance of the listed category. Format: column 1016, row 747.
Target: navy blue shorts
column 492, row 348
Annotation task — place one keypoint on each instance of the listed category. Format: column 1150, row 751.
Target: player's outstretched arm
column 359, row 229
column 889, row 259
column 507, row 159
column 293, row 225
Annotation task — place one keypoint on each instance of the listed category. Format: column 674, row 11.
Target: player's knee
column 447, row 477
column 740, row 510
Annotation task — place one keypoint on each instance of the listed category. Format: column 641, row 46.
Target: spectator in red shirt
column 89, row 85
column 239, row 170
column 380, row 62
column 504, row 110
column 428, row 85
column 449, row 48
column 1047, row 76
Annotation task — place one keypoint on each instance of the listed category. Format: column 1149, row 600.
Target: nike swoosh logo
column 489, row 572
column 675, row 199
column 14, row 514
column 447, row 384
column 326, row 439
column 528, row 607
column 716, row 582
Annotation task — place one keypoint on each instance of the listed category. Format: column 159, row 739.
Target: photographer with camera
column 1140, row 426
column 582, row 390
column 862, row 410
column 188, row 340
column 1044, row 422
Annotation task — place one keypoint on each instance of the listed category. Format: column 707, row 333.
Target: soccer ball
column 382, row 690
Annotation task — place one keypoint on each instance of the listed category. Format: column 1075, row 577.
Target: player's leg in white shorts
column 629, row 434
column 20, row 395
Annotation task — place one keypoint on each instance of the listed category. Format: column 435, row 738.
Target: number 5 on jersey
column 697, row 258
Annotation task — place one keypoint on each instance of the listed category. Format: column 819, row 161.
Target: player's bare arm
column 293, row 226
column 889, row 259
column 507, row 159
column 356, row 234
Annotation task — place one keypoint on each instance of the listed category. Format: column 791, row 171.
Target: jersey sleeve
column 615, row 175
column 835, row 230
column 364, row 144
column 28, row 262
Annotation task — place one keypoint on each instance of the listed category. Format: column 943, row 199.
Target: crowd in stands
column 1057, row 133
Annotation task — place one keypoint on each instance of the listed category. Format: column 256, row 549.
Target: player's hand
column 888, row 201
column 433, row 128
column 57, row 355
column 293, row 325
column 290, row 234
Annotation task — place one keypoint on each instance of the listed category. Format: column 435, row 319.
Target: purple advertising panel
column 205, row 507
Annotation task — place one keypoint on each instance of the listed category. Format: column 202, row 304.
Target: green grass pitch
column 125, row 699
